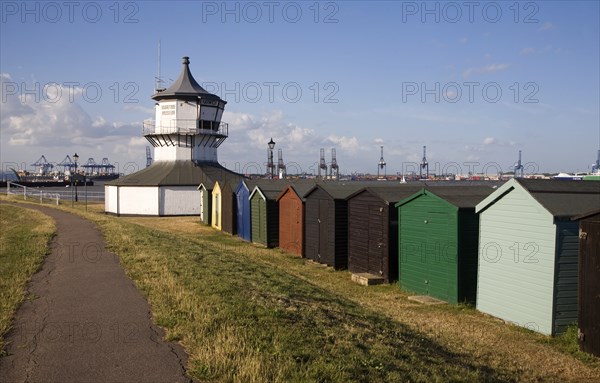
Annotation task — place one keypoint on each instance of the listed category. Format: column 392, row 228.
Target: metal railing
column 186, row 126
column 39, row 194
column 34, row 194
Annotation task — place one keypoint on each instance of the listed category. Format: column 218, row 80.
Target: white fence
column 80, row 194
column 32, row 193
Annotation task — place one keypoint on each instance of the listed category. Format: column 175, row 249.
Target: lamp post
column 75, row 159
column 270, row 163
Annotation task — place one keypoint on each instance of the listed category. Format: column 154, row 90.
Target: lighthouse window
column 208, row 113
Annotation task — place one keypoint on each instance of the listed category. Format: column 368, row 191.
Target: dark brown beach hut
column 589, row 282
column 229, row 208
column 326, row 222
column 373, row 229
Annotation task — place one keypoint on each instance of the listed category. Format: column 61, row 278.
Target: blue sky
column 475, row 84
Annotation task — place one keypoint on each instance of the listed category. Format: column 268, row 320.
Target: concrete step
column 426, row 300
column 367, row 279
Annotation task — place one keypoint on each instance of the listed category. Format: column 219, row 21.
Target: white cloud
column 490, row 146
column 54, row 122
column 256, row 131
column 416, row 158
column 246, row 146
column 138, row 108
column 527, row 51
column 98, row 122
column 547, row 49
column 440, row 117
column 451, row 95
column 489, row 141
column 349, row 144
column 547, row 26
column 491, row 68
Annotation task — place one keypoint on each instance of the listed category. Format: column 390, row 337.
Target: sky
column 474, row 82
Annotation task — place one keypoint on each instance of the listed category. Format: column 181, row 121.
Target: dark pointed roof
column 185, row 87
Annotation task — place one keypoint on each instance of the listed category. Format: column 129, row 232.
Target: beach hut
column 373, row 230
column 242, row 193
column 589, row 282
column 216, row 206
column 205, row 190
column 228, row 209
column 265, row 212
column 528, row 251
column 326, row 222
column 438, row 237
column 291, row 217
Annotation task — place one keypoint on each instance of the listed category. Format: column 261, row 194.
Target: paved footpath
column 87, row 321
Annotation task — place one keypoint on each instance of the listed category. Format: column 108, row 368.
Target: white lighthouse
column 188, row 121
column 186, row 133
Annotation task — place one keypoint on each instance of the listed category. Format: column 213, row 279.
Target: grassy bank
column 242, row 320
column 246, row 313
column 24, row 237
column 478, row 346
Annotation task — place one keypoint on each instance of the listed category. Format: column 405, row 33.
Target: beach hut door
column 376, row 242
column 589, row 287
column 323, row 233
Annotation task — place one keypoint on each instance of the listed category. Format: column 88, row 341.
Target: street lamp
column 75, row 158
column 270, row 163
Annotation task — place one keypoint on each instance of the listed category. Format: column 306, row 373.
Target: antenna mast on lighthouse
column 158, row 81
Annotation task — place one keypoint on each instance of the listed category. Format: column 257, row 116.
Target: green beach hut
column 438, row 236
column 264, row 212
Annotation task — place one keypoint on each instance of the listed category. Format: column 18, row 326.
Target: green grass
column 249, row 314
column 242, row 320
column 569, row 343
column 24, row 237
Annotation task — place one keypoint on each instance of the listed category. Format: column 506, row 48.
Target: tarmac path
column 87, row 322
